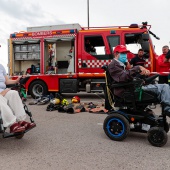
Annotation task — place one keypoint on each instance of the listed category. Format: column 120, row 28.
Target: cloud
column 17, row 16
column 19, row 10
column 29, row 13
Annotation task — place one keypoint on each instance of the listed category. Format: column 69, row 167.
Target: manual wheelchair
column 134, row 111
column 22, row 93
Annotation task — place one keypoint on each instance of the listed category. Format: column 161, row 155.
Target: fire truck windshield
column 133, row 42
column 113, row 41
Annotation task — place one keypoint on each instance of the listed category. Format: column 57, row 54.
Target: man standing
column 138, row 59
column 162, row 61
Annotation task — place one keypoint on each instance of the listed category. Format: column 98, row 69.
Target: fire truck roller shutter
column 38, row 88
column 59, row 39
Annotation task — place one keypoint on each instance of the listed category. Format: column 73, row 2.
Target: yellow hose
column 109, row 93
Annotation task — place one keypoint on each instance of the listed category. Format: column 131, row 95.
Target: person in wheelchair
column 11, row 106
column 119, row 74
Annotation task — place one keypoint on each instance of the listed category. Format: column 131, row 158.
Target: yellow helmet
column 55, row 101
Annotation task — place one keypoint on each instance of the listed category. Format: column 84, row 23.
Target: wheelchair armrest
column 24, row 80
column 151, row 78
column 11, row 85
column 136, row 83
column 21, row 82
column 122, row 84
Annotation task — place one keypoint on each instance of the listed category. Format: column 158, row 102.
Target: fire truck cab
column 68, row 58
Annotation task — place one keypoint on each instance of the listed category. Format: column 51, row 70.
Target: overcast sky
column 17, row 15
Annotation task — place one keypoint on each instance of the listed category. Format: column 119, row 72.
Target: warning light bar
column 41, row 33
column 15, row 35
column 63, row 32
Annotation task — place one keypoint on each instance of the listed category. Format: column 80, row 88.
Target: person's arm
column 128, row 65
column 120, row 75
column 166, row 60
column 167, row 57
column 144, row 71
column 132, row 61
column 162, row 61
column 3, row 93
column 9, row 81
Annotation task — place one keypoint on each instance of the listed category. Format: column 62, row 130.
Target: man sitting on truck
column 138, row 59
column 89, row 47
column 119, row 75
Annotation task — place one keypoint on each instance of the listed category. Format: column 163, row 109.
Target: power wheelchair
column 22, row 93
column 134, row 111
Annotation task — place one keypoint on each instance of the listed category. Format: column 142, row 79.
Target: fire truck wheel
column 38, row 88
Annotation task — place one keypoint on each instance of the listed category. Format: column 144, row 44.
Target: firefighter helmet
column 75, row 99
column 120, row 49
column 55, row 101
column 64, row 102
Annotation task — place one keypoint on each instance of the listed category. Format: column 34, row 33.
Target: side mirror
column 145, row 46
column 145, row 37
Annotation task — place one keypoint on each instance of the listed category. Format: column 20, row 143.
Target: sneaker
column 43, row 101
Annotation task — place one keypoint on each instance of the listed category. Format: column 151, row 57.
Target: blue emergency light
column 112, row 32
column 13, row 35
column 71, row 31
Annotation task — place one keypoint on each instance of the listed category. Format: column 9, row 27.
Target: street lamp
column 88, row 13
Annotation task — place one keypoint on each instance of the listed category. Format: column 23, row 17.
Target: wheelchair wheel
column 166, row 127
column 116, row 127
column 157, row 136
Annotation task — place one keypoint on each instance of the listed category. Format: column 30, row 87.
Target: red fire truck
column 68, row 58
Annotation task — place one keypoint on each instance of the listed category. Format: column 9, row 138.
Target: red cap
column 120, row 49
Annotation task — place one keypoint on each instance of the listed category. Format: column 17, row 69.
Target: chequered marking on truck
column 100, row 63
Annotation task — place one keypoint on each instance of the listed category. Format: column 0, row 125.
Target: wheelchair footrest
column 8, row 135
column 29, row 129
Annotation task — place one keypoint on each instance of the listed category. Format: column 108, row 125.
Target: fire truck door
column 95, row 52
column 71, row 62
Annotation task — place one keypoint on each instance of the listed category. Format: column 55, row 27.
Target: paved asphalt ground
column 64, row 141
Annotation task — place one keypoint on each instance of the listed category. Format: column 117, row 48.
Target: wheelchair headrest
column 105, row 67
column 108, row 76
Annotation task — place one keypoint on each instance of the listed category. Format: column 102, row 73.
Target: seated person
column 88, row 47
column 119, row 74
column 138, row 59
column 11, row 107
